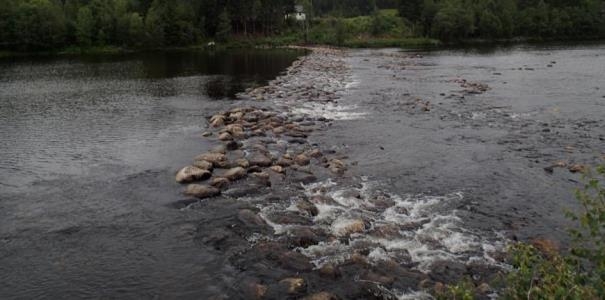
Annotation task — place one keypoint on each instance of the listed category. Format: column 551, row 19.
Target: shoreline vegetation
column 50, row 27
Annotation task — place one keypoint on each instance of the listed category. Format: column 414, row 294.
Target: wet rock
column 322, row 296
column 302, row 160
column 225, row 136
column 387, row 231
column 191, row 173
column 201, row 191
column 289, row 218
column 250, row 219
column 215, row 158
column 577, row 168
column 235, row 173
column 232, row 145
column 284, row 162
column 315, row 153
column 302, row 237
column 294, row 285
column 447, row 271
column 256, row 291
column 351, row 194
column 330, row 271
column 322, row 199
column 307, row 207
column 348, row 227
column 242, row 162
column 382, row 202
column 259, row 159
column 337, row 166
column 277, row 169
column 219, row 182
column 261, row 178
column 202, row 164
column 301, row 177
column 217, row 121
column 206, row 134
column 295, row 261
column 378, row 278
column 219, row 149
column 243, row 190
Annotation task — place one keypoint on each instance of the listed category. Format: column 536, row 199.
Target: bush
column 547, row 274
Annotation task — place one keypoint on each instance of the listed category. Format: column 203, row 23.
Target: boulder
column 201, row 191
column 294, row 285
column 295, row 261
column 315, row 153
column 219, row 182
column 232, row 145
column 235, row 173
column 214, row 158
column 330, row 271
column 308, row 207
column 202, row 164
column 348, row 227
column 225, row 136
column 577, row 168
column 302, row 160
column 242, row 162
column 277, row 169
column 284, row 162
column 217, row 121
column 259, row 159
column 191, row 173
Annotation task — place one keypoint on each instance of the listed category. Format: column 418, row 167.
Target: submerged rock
column 201, row 191
column 322, row 296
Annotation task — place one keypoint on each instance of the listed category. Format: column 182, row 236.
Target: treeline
column 491, row 19
column 51, row 24
column 54, row 24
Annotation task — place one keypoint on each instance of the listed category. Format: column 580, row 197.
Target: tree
column 39, row 24
column 453, row 22
column 411, row 9
column 84, row 27
column 224, row 26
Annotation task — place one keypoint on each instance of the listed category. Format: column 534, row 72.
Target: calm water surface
column 89, row 147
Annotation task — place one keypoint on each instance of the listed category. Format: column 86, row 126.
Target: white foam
column 329, row 111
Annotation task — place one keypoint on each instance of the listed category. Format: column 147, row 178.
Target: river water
column 89, row 149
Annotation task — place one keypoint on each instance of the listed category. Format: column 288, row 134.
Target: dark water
column 89, row 147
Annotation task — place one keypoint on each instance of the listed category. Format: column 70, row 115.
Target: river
column 462, row 138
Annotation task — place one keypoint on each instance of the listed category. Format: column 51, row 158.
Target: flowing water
column 89, row 148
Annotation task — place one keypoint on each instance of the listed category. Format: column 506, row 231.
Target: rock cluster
column 258, row 144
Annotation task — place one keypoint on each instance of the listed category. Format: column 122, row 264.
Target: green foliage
column 546, row 274
column 84, row 27
column 42, row 25
column 453, row 21
column 539, row 276
column 464, row 290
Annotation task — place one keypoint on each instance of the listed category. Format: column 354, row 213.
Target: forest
column 34, row 25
